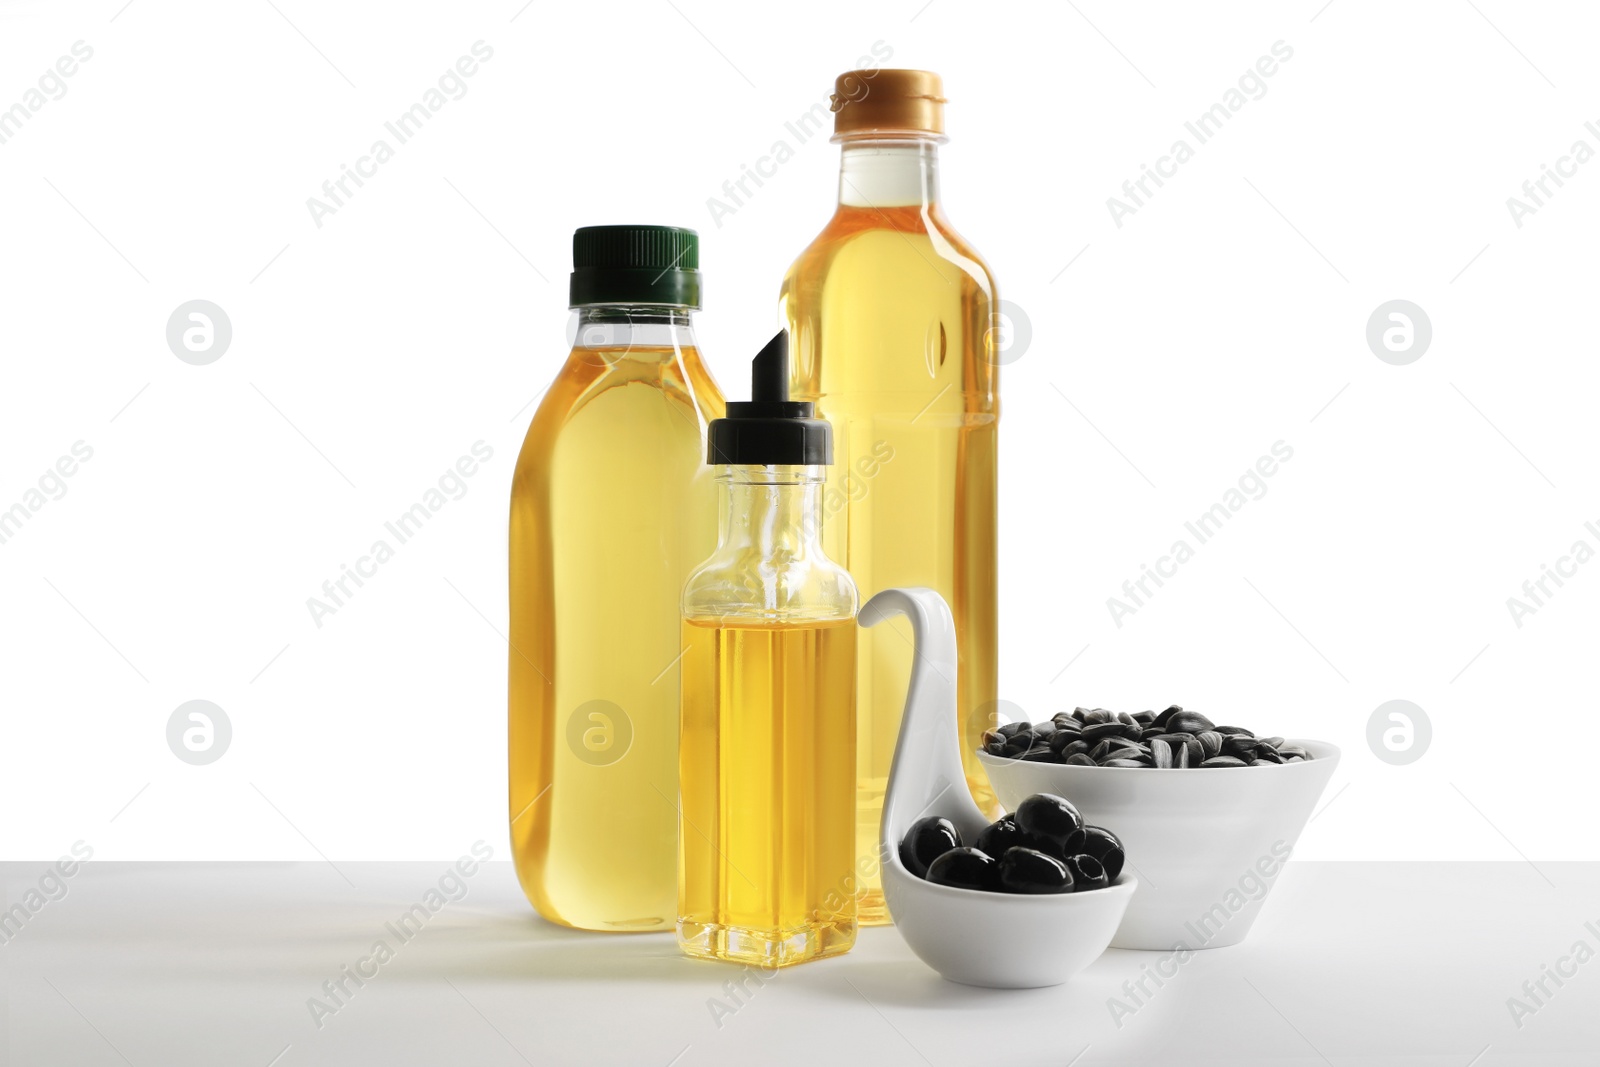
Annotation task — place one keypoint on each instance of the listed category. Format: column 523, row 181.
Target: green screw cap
column 635, row 265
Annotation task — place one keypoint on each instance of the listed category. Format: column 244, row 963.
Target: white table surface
column 214, row 963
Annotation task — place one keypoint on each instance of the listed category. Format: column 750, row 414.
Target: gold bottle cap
column 887, row 103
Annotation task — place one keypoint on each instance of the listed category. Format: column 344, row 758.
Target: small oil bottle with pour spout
column 768, row 730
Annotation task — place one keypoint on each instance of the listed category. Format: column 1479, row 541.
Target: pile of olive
column 1172, row 738
column 1042, row 847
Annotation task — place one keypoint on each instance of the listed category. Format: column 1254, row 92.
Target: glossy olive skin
column 966, row 868
column 1050, row 817
column 1086, row 872
column 928, row 839
column 1100, row 843
column 1004, row 833
column 1026, row 870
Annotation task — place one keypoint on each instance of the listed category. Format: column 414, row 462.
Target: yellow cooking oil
column 768, row 846
column 612, row 506
column 890, row 312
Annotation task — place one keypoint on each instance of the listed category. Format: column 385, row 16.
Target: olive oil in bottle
column 891, row 314
column 767, row 756
column 611, row 507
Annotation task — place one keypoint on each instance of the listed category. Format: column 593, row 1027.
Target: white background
column 368, row 354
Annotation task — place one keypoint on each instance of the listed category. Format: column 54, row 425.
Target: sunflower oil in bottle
column 611, row 507
column 767, row 758
column 891, row 315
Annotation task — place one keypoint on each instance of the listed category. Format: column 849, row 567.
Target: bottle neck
column 644, row 327
column 889, row 173
column 774, row 511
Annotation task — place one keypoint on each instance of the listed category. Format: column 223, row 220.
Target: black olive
column 1048, row 816
column 1025, row 870
column 1086, row 872
column 1004, row 834
column 965, row 868
column 927, row 840
column 1103, row 845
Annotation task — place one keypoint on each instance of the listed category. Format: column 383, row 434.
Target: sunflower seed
column 1210, row 742
column 1223, row 761
column 1233, row 730
column 1160, row 752
column 1123, row 763
column 1078, row 759
column 1096, row 731
column 1188, row 722
column 1239, row 745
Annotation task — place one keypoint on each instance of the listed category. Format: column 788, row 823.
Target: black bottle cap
column 769, row 428
column 635, row 265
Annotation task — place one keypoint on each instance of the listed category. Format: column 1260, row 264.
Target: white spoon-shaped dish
column 1002, row 940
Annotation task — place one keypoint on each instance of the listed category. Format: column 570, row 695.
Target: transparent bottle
column 611, row 507
column 892, row 318
column 767, row 759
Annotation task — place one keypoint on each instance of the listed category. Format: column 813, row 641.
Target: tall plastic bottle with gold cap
column 611, row 507
column 892, row 316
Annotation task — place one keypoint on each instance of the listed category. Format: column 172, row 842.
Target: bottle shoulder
column 745, row 585
column 854, row 230
column 619, row 386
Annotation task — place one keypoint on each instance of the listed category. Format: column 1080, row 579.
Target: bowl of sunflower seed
column 1208, row 813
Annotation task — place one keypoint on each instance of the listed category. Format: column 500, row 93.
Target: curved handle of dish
column 926, row 776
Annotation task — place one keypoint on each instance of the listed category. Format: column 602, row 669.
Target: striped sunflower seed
column 1188, row 722
column 1239, row 745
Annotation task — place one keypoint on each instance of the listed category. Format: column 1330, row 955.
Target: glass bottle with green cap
column 611, row 507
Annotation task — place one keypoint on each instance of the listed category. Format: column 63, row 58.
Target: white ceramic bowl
column 1003, row 940
column 1207, row 843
